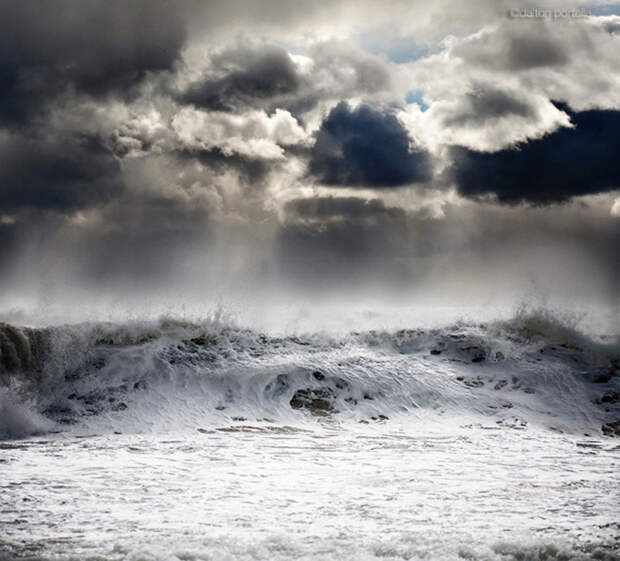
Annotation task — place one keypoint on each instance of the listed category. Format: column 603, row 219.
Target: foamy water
column 179, row 440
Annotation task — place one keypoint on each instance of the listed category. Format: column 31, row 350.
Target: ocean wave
column 531, row 370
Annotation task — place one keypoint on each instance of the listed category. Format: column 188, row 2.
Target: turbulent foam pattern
column 531, row 371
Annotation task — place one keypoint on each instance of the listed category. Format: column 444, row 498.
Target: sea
column 175, row 439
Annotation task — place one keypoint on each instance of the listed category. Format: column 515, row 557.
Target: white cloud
column 573, row 60
column 494, row 88
column 253, row 134
column 140, row 134
column 488, row 119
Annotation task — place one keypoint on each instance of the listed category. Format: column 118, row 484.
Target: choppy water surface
column 188, row 442
column 311, row 494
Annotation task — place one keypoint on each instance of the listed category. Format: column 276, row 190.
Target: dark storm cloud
column 483, row 105
column 352, row 208
column 569, row 162
column 60, row 174
column 250, row 77
column 525, row 52
column 249, row 169
column 366, row 147
column 91, row 46
column 265, row 76
column 517, row 47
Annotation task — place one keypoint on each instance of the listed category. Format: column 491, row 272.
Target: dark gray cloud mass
column 364, row 146
column 534, row 52
column 253, row 170
column 94, row 47
column 569, row 162
column 517, row 48
column 485, row 104
column 248, row 76
column 63, row 174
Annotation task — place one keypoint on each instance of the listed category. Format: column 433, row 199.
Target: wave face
column 530, row 372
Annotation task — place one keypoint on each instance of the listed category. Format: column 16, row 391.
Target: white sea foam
column 177, row 440
column 168, row 374
column 322, row 493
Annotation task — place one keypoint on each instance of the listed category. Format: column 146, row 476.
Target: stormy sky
column 448, row 152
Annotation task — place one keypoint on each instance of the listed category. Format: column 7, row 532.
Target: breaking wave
column 531, row 371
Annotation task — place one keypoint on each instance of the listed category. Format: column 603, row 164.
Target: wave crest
column 213, row 372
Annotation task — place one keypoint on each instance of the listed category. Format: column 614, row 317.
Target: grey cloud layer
column 242, row 77
column 55, row 54
column 257, row 75
column 485, row 104
column 94, row 47
column 134, row 136
column 62, row 174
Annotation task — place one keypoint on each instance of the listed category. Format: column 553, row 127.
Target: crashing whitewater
column 531, row 372
column 173, row 440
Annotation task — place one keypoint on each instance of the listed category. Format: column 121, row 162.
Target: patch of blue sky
column 416, row 96
column 602, row 9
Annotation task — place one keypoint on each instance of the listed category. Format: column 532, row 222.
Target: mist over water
column 440, row 298
column 477, row 262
